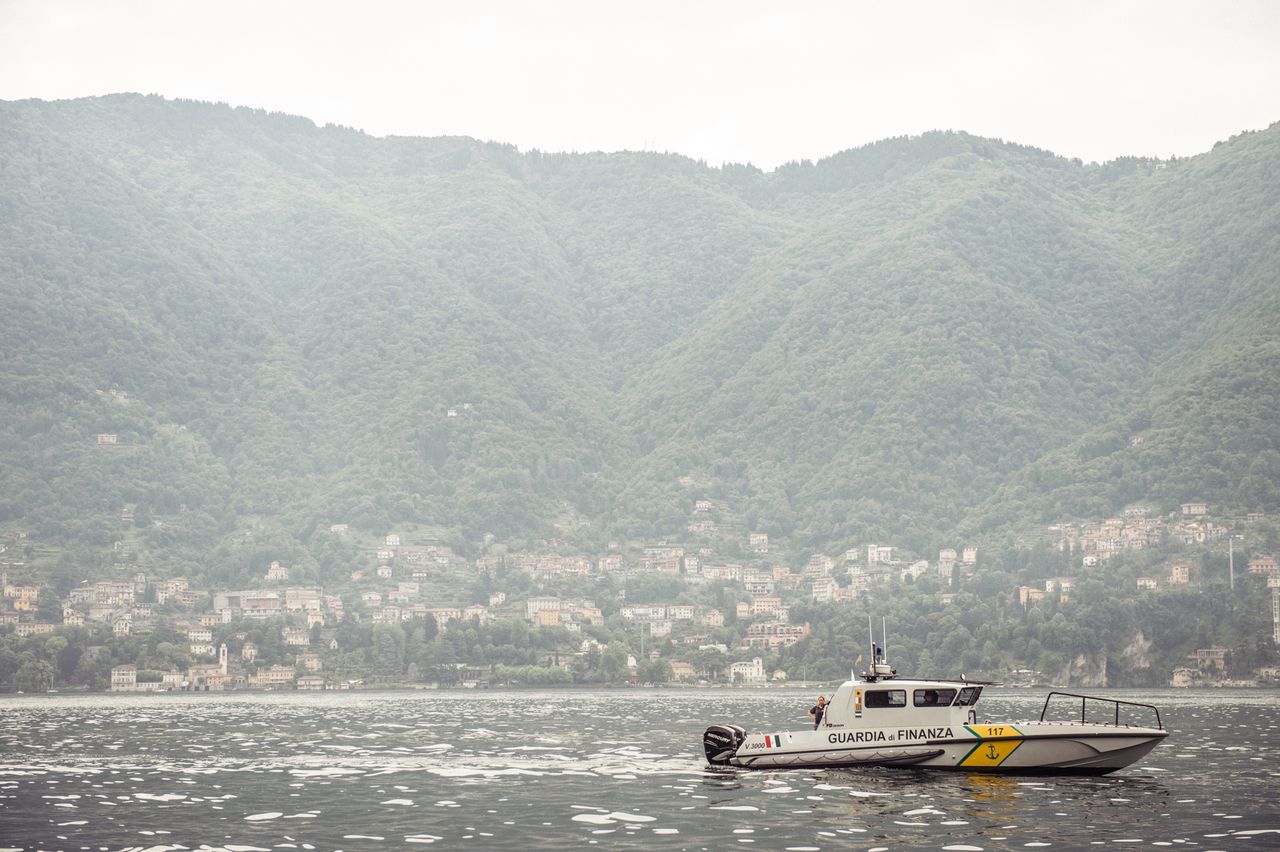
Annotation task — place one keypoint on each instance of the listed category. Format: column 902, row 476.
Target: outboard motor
column 721, row 742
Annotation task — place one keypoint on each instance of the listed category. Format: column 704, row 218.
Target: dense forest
column 920, row 340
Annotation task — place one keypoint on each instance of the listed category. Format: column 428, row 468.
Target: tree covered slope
column 914, row 340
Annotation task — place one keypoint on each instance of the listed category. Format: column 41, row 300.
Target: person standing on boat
column 816, row 711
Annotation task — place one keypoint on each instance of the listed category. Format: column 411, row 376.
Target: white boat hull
column 1021, row 747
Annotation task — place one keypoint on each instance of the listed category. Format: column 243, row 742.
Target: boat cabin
column 892, row 703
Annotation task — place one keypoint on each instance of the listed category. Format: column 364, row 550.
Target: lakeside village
column 285, row 635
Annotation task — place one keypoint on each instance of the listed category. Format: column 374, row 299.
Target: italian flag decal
column 773, row 740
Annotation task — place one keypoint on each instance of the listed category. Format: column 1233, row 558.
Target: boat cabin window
column 969, row 695
column 934, row 697
column 887, row 698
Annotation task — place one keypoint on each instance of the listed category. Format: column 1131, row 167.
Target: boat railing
column 1084, row 705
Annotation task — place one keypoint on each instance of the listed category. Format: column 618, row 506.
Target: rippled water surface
column 621, row 769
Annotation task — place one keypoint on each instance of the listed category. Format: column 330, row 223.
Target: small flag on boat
column 858, row 661
column 772, row 740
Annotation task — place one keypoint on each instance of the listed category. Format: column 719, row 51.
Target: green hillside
column 293, row 326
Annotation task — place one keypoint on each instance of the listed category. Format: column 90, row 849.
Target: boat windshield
column 969, row 696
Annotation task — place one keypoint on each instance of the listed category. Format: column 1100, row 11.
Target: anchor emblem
column 991, row 752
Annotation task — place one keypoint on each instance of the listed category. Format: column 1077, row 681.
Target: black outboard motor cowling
column 721, row 742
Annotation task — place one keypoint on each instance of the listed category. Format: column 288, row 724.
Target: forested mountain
column 915, row 340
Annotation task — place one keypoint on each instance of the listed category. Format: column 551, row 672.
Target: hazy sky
column 761, row 82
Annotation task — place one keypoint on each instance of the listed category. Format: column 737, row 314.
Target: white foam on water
column 593, row 819
column 733, row 808
column 487, row 773
column 962, row 847
column 918, row 811
column 325, row 772
column 537, row 748
column 362, row 837
column 397, row 802
column 422, row 838
column 264, row 816
column 1251, row 832
column 160, row 797
column 666, row 831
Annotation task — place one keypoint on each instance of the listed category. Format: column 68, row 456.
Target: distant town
column 285, row 634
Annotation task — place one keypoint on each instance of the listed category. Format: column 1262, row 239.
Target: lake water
column 614, row 768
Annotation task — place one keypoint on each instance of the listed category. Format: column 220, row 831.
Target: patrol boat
column 879, row 719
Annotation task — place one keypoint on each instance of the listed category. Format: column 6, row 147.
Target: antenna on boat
column 879, row 663
column 871, row 638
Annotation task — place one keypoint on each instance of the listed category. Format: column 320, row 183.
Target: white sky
column 760, row 82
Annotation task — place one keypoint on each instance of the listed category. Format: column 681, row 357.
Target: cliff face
column 1131, row 666
column 1136, row 654
column 1089, row 670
